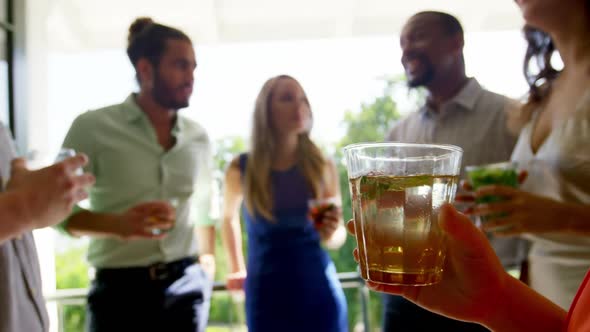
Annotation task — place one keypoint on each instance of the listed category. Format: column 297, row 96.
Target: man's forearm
column 87, row 223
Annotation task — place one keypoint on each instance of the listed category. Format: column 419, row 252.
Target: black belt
column 154, row 272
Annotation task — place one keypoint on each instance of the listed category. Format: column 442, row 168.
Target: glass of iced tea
column 319, row 206
column 157, row 231
column 397, row 190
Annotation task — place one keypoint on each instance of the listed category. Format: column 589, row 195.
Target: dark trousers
column 402, row 315
column 163, row 297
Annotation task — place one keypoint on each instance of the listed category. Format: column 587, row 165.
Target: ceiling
column 78, row 25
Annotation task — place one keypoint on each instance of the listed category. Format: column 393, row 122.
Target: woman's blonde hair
column 257, row 180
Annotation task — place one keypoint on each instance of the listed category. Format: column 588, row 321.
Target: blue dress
column 292, row 283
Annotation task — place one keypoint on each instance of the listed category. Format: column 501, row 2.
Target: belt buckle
column 158, row 271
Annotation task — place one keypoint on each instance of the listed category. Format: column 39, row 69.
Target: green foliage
column 72, row 268
column 72, row 272
column 375, row 119
column 370, row 124
column 223, row 308
column 227, row 311
column 226, row 149
column 226, row 328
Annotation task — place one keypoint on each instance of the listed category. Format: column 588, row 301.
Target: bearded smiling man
column 153, row 177
column 458, row 111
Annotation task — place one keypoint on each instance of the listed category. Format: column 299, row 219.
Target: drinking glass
column 505, row 174
column 157, row 231
column 397, row 190
column 65, row 153
column 319, row 206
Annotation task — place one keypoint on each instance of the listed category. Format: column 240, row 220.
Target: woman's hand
column 519, row 211
column 473, row 283
column 235, row 281
column 515, row 212
column 329, row 223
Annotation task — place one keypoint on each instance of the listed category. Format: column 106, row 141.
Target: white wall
column 32, row 115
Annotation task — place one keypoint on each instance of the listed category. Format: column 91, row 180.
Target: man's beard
column 164, row 95
column 423, row 79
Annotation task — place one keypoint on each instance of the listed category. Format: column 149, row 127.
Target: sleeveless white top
column 560, row 169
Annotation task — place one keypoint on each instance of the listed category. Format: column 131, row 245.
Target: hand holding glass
column 319, row 206
column 504, row 174
column 65, row 153
column 155, row 219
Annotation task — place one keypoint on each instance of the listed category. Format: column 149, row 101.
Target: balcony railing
column 77, row 296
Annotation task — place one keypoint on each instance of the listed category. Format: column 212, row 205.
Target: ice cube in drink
column 396, row 221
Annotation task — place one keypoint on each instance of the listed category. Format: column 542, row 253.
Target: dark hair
column 448, row 22
column 540, row 50
column 147, row 39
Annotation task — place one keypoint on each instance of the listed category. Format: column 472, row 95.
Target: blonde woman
column 289, row 280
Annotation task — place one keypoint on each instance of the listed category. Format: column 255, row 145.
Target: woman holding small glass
column 291, row 198
column 553, row 203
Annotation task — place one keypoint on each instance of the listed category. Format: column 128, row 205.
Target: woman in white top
column 554, row 148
